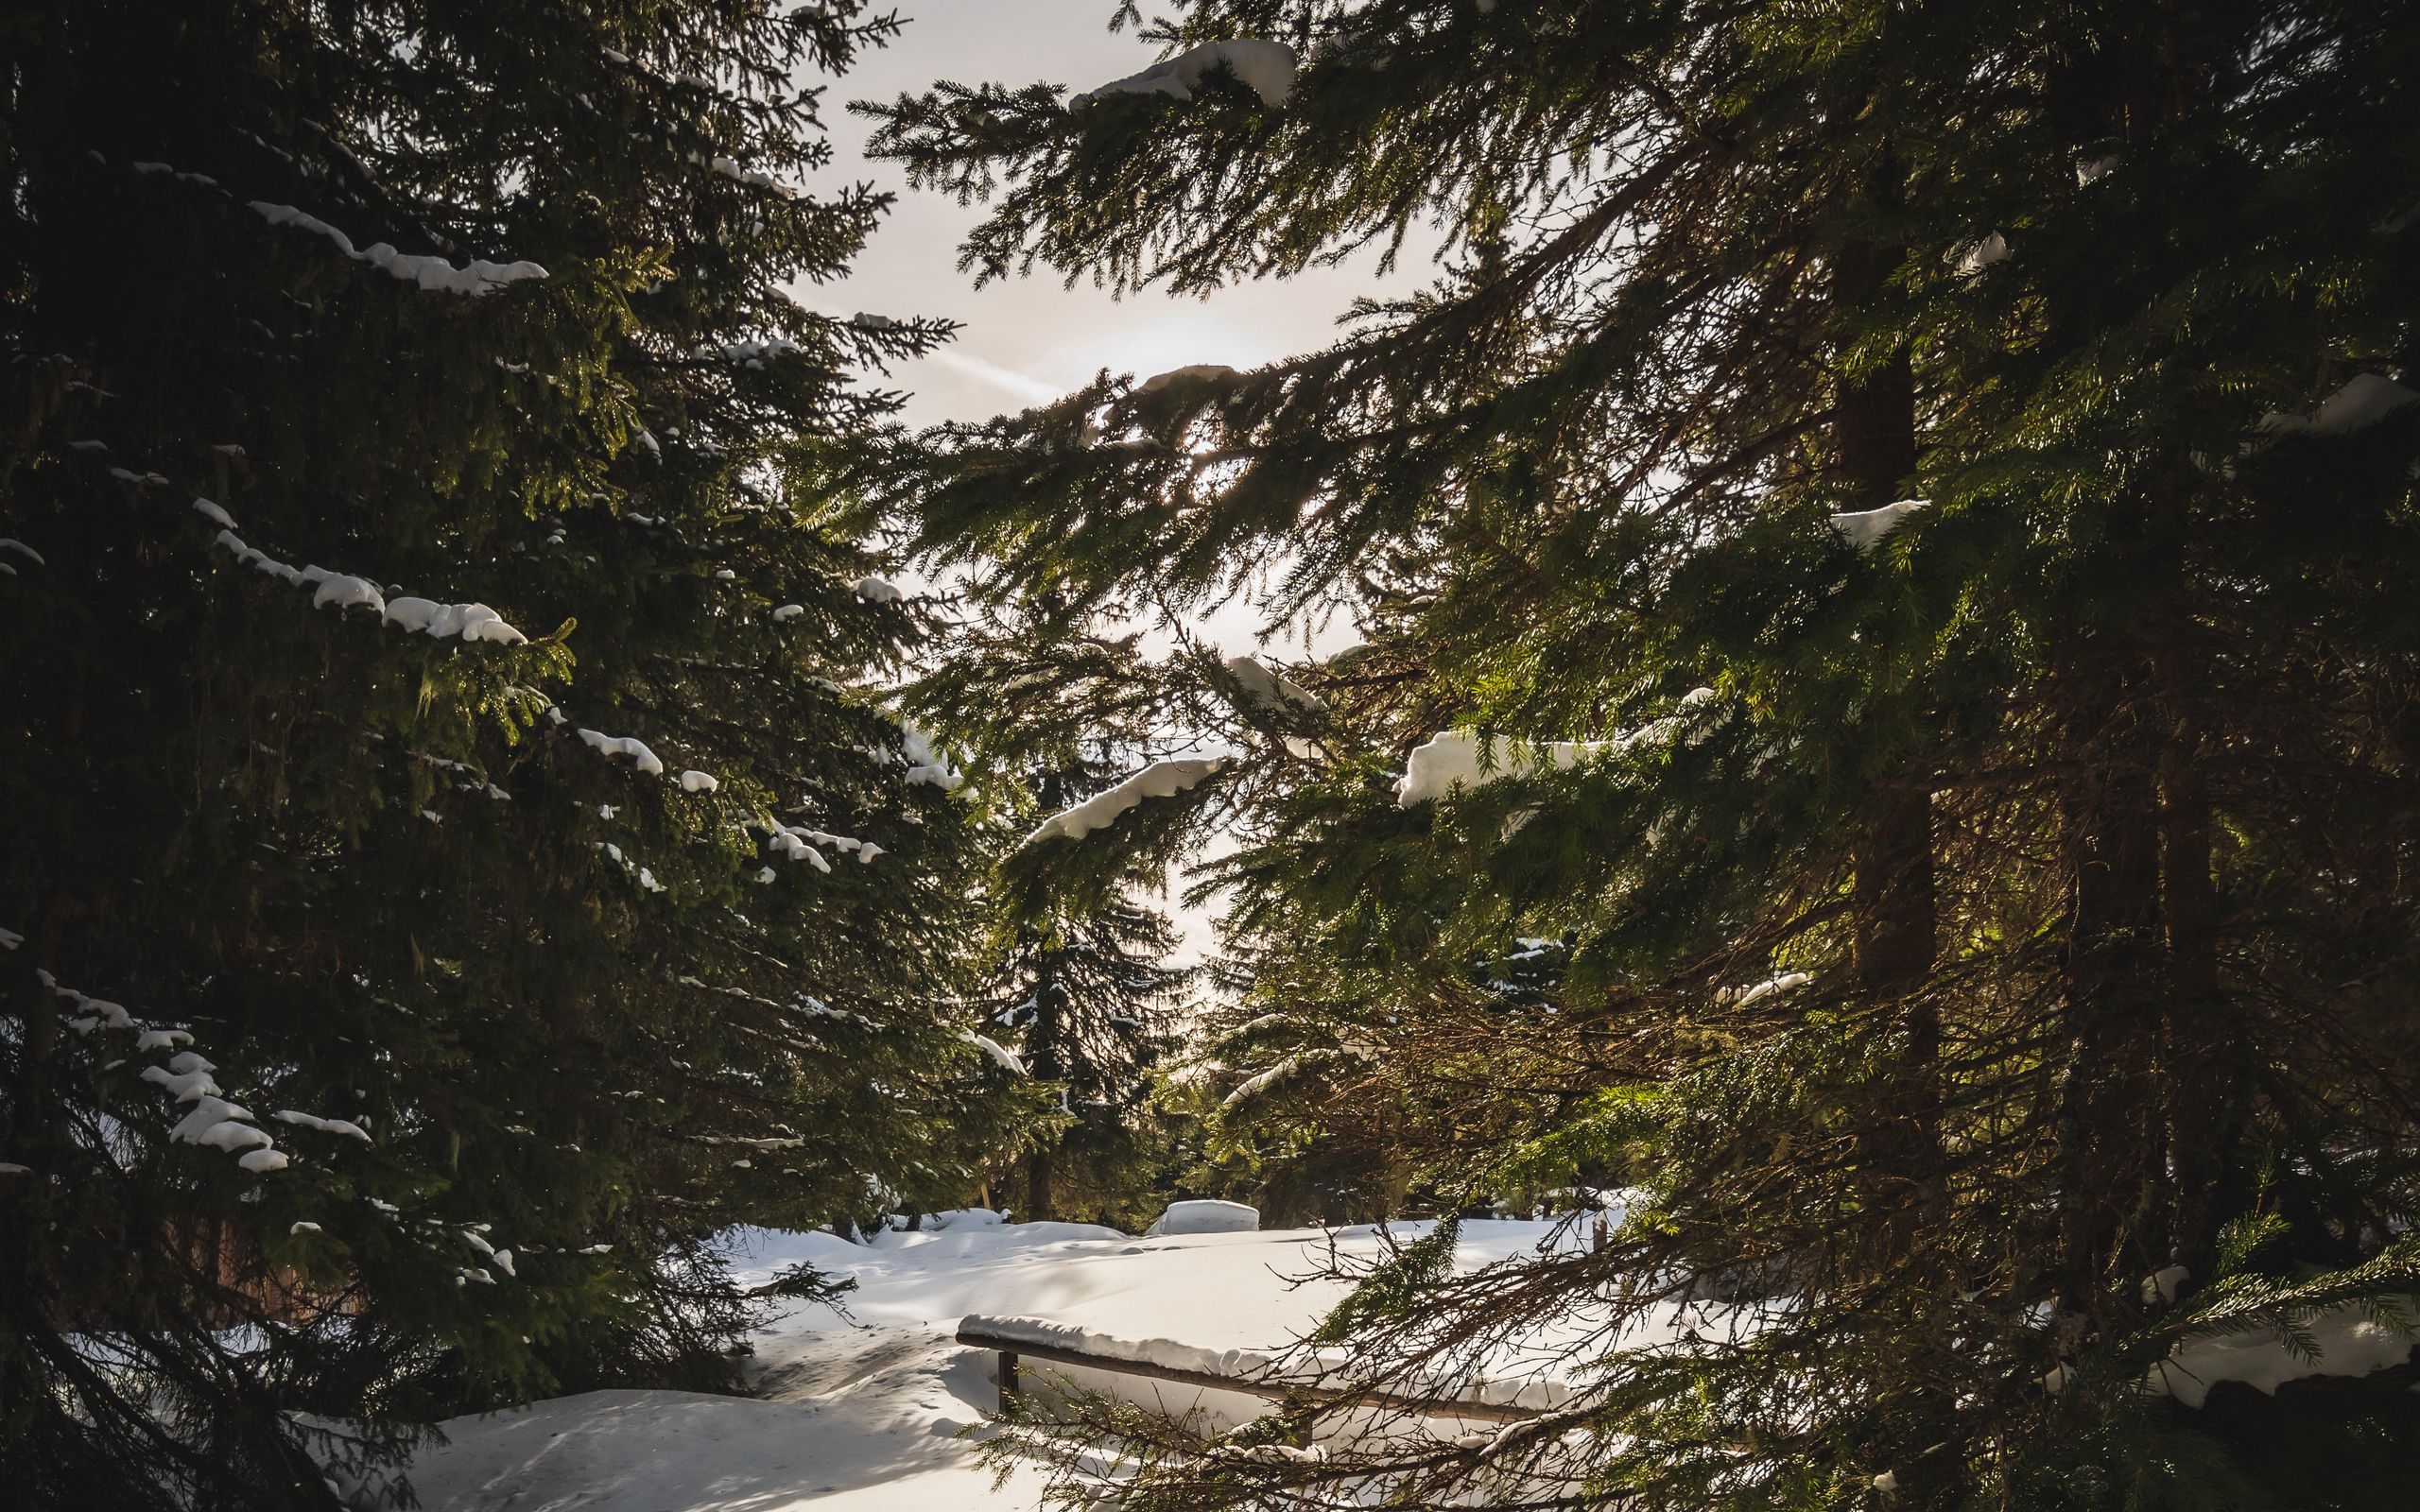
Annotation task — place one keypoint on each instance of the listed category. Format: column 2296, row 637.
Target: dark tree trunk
column 1893, row 922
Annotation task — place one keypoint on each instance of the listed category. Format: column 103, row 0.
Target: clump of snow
column 877, row 590
column 344, row 591
column 1866, row 529
column 12, row 543
column 694, row 781
column 1974, row 257
column 1162, row 779
column 429, row 272
column 472, row 622
column 191, row 1086
column 213, row 513
column 2361, row 404
column 230, row 1134
column 1266, row 68
column 2092, row 170
column 2161, row 1286
column 754, row 178
column 263, row 1159
column 925, row 764
column 1205, row 1216
column 628, row 748
column 1451, row 759
column 1268, row 685
column 755, row 354
column 1004, row 1058
column 787, row 612
column 2345, row 1340
column 327, row 1125
column 1741, row 997
column 799, row 843
column 1196, row 372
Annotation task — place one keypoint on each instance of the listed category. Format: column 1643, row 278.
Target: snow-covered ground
column 866, row 1412
column 881, row 1409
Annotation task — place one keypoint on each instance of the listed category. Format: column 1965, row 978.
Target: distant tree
column 1945, row 480
column 1089, row 1003
column 400, row 990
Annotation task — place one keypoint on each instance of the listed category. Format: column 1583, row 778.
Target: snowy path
column 864, row 1414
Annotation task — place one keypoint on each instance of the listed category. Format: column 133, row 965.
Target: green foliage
column 1395, row 1288
column 2024, row 908
column 460, row 894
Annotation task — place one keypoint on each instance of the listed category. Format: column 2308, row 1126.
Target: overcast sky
column 1030, row 340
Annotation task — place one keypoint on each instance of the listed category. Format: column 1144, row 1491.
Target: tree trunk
column 1037, row 1187
column 1894, row 920
column 1894, row 925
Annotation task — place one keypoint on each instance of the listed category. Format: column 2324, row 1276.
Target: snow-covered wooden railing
column 1018, row 1339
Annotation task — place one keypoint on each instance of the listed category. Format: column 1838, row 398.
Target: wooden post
column 1007, row 1377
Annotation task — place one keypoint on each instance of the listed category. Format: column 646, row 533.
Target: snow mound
column 877, row 590
column 1206, row 1215
column 1266, row 68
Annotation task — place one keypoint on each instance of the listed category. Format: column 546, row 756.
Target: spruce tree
column 1881, row 555
column 1091, row 1001
column 1087, row 1002
column 413, row 961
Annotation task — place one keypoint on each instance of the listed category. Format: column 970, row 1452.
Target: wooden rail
column 1014, row 1349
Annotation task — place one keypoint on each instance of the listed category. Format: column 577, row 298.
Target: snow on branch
column 1164, row 778
column 628, row 748
column 1005, row 1057
column 212, row 1121
column 1866, row 529
column 2359, row 405
column 470, row 622
column 925, row 764
column 1451, row 759
column 1266, row 68
column 754, row 178
column 1269, row 686
column 429, row 271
